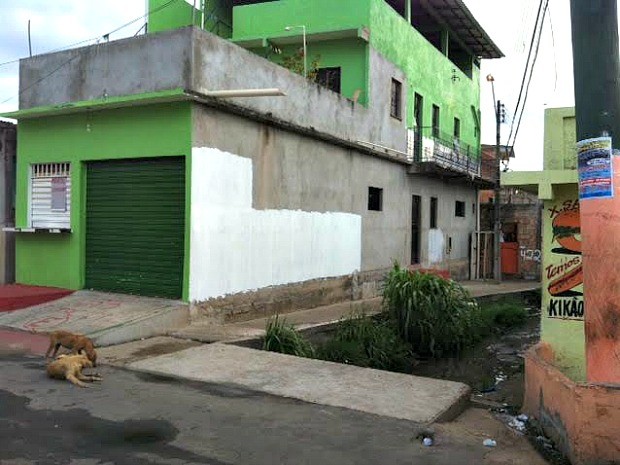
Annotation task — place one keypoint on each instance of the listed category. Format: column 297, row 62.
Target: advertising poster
column 595, row 168
column 563, row 270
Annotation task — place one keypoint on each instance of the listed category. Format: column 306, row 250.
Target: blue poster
column 595, row 168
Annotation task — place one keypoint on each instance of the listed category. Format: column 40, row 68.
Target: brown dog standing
column 73, row 342
column 70, row 367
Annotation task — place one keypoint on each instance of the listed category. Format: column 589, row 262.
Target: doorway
column 416, row 228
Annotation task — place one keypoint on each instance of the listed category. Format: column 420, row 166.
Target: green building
column 562, row 325
column 190, row 164
column 436, row 44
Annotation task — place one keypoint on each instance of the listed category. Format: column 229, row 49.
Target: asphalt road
column 133, row 418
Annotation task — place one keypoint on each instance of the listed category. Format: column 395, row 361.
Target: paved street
column 139, row 419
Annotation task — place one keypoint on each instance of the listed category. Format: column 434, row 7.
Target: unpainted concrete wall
column 8, row 140
column 195, row 60
column 295, row 172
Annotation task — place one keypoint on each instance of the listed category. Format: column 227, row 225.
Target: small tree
column 295, row 63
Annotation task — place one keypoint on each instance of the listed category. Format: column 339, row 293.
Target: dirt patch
column 162, row 348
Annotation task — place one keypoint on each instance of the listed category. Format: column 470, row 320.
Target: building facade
column 583, row 418
column 135, row 175
column 8, row 139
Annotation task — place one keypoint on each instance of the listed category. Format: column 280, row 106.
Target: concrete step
column 395, row 395
column 106, row 318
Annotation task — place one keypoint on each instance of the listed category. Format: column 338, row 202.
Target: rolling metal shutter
column 135, row 222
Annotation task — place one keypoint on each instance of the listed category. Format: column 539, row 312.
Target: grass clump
column 285, row 339
column 433, row 314
column 503, row 315
column 367, row 342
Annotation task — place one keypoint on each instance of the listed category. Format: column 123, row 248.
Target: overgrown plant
column 367, row 342
column 285, row 339
column 435, row 315
column 295, row 63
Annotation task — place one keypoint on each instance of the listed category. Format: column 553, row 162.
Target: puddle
column 494, row 368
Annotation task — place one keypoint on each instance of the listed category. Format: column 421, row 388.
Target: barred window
column 50, row 195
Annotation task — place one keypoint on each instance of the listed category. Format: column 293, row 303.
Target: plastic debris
column 517, row 424
column 489, row 443
column 523, row 417
column 427, row 442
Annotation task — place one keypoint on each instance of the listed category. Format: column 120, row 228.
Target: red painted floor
column 23, row 341
column 17, row 296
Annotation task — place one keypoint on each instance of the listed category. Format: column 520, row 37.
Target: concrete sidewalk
column 395, row 395
column 106, row 318
column 207, row 330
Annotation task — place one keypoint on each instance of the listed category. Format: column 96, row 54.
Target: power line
column 38, row 81
column 555, row 59
column 103, row 36
column 527, row 64
column 527, row 88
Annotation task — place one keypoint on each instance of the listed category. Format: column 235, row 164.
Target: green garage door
column 135, row 222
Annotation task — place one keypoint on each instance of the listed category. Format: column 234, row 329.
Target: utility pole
column 497, row 205
column 596, row 60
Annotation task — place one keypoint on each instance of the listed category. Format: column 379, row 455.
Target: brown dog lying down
column 70, row 367
column 73, row 342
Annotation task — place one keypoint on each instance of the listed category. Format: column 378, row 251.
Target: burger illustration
column 567, row 232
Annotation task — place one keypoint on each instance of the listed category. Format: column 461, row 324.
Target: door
column 416, row 228
column 418, row 116
column 135, row 226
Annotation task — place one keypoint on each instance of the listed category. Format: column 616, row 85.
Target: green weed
column 433, row 314
column 285, row 339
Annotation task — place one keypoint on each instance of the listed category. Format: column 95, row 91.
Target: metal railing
column 429, row 145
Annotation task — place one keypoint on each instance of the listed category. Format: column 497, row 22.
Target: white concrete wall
column 235, row 248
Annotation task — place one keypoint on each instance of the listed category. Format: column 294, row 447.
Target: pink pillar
column 600, row 233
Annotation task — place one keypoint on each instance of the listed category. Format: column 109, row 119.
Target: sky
column 61, row 23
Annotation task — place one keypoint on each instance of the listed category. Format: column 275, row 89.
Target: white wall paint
column 436, row 245
column 235, row 248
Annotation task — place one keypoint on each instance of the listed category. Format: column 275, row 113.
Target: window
column 330, row 78
column 50, row 196
column 435, row 121
column 457, row 128
column 459, row 209
column 396, row 100
column 375, row 198
column 433, row 223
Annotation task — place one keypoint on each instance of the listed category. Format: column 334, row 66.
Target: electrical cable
column 527, row 89
column 38, row 81
column 527, row 64
column 154, row 10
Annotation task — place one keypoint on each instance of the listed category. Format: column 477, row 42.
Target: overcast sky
column 59, row 23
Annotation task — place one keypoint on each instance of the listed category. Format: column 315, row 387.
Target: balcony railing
column 429, row 145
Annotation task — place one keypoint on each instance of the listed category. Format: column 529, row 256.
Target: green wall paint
column 557, row 184
column 265, row 20
column 560, row 139
column 564, row 331
column 164, row 16
column 351, row 55
column 141, row 131
column 429, row 73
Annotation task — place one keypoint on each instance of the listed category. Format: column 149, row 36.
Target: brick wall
column 524, row 210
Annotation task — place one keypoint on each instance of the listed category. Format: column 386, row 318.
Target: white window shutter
column 50, row 196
